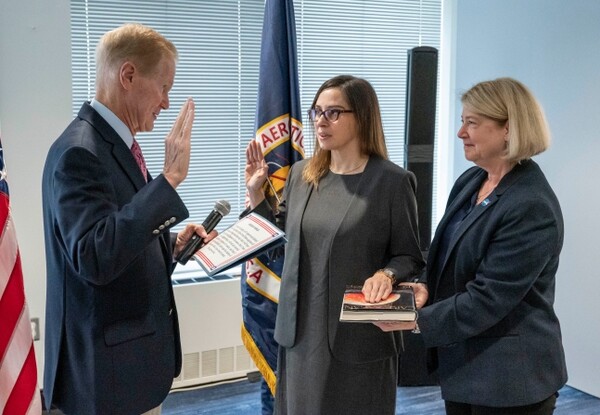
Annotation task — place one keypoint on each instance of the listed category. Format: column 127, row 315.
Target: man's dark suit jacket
column 498, row 338
column 112, row 337
column 378, row 229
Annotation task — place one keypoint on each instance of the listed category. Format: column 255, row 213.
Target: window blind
column 219, row 51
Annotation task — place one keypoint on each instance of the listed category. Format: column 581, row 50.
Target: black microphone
column 222, row 208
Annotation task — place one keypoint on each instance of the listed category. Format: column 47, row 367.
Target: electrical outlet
column 35, row 328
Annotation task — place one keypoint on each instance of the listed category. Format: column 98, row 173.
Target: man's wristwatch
column 388, row 273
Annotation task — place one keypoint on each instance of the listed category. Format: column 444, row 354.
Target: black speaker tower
column 419, row 135
column 418, row 157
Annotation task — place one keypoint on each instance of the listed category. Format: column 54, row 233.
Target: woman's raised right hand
column 256, row 173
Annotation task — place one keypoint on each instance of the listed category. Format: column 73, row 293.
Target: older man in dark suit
column 112, row 337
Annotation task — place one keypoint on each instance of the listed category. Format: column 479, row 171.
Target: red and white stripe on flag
column 19, row 393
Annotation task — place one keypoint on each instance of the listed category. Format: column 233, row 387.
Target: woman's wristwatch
column 388, row 273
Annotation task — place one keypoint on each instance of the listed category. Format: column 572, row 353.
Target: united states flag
column 19, row 393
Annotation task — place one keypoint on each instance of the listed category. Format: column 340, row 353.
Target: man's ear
column 126, row 74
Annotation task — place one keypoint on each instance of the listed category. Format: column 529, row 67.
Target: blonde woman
column 491, row 271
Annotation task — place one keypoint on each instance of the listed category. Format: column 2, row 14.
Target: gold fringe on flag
column 259, row 360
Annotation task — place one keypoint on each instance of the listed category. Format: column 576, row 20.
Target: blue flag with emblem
column 279, row 132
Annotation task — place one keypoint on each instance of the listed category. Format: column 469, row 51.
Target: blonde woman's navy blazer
column 498, row 339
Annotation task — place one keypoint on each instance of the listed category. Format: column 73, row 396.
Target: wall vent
column 191, row 366
column 214, row 365
column 210, row 321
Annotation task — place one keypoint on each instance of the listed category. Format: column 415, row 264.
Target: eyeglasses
column 331, row 114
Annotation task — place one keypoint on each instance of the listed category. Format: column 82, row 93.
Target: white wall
column 553, row 47
column 35, row 106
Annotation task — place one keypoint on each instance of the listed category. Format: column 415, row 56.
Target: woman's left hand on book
column 377, row 288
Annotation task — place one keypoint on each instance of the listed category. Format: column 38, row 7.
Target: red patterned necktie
column 139, row 157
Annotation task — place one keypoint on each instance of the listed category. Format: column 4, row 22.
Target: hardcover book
column 398, row 306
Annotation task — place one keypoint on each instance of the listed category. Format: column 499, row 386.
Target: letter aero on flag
column 19, row 392
column 279, row 132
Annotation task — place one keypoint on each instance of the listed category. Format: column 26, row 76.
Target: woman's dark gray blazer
column 384, row 209
column 498, row 339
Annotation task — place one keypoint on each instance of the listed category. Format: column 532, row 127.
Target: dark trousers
column 545, row 407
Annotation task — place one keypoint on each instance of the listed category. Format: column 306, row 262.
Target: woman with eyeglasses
column 350, row 216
